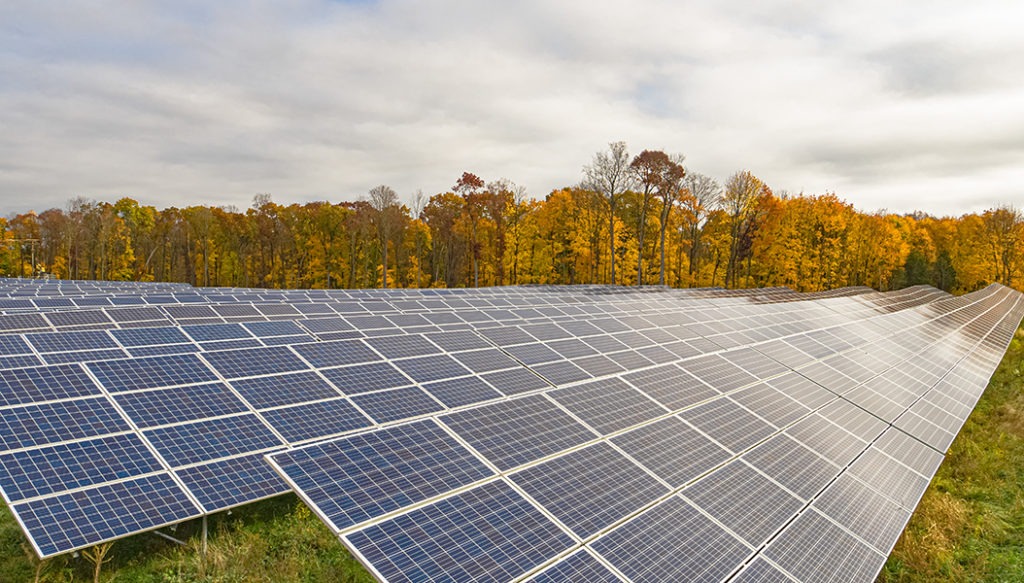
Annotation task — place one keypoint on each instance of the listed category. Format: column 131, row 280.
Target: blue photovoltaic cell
column 68, row 341
column 230, row 344
column 357, row 478
column 672, row 450
column 321, row 326
column 209, row 332
column 591, row 488
column 152, row 372
column 397, row 404
column 487, row 534
column 278, row 328
column 69, row 521
column 135, row 314
column 579, row 567
column 11, row 344
column 745, row 501
column 512, row 433
column 561, row 372
column 485, row 360
column 83, row 356
column 462, row 391
column 286, row 389
column 44, row 383
column 132, row 337
column 534, row 353
column 402, row 346
column 728, row 423
column 458, row 340
column 215, row 438
column 314, row 420
column 66, row 466
column 19, row 361
column 760, row 571
column 335, row 353
column 284, row 340
column 814, row 548
column 163, row 350
column 166, row 406
column 432, row 368
column 366, row 377
column 515, row 381
column 608, row 405
column 225, row 483
column 52, row 422
column 678, row 544
column 254, row 361
column 671, row 386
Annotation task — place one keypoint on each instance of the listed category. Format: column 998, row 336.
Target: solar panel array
column 497, row 433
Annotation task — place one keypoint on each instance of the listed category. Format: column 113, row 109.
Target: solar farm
column 563, row 433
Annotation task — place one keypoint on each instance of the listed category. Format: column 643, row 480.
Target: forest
column 631, row 220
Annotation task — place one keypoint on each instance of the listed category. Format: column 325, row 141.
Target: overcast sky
column 900, row 105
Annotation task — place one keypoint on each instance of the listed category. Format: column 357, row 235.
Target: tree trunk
column 611, row 235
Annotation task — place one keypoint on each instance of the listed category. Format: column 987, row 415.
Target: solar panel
column 671, row 386
column 728, row 423
column 580, row 567
column 431, row 368
column 66, row 466
column 574, row 488
column 43, row 423
column 316, row 420
column 608, row 405
column 145, row 373
column 744, row 500
column 229, row 482
column 175, row 405
column 489, row 533
column 71, row 521
column 813, row 548
column 396, row 404
column 44, row 383
column 254, row 361
column 622, row 410
column 211, row 439
column 343, row 479
column 679, row 544
column 284, row 389
column 511, row 433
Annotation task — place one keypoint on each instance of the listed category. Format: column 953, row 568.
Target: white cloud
column 916, row 105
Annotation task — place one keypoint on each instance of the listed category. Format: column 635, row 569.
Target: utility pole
column 23, row 241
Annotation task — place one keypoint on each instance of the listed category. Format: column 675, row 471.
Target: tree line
column 631, row 220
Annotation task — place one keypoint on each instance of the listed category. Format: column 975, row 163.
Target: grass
column 274, row 541
column 968, row 527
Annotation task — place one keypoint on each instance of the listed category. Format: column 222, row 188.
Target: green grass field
column 968, row 527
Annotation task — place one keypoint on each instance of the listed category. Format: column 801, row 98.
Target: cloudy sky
column 917, row 104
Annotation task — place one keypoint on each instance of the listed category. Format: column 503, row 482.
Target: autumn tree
column 742, row 191
column 384, row 201
column 1004, row 229
column 660, row 174
column 468, row 187
column 609, row 175
column 700, row 195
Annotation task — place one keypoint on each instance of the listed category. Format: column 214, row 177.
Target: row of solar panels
column 38, row 348
column 240, row 476
column 752, row 472
column 65, row 395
